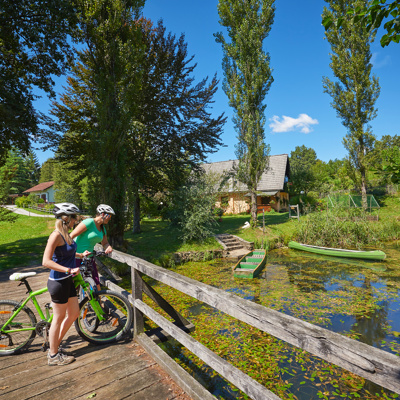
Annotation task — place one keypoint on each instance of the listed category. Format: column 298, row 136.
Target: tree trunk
column 253, row 209
column 136, row 213
column 364, row 190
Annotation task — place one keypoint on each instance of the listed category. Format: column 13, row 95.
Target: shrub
column 338, row 227
column 26, row 201
column 193, row 207
column 218, row 211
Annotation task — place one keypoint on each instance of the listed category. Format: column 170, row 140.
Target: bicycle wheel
column 117, row 322
column 91, row 323
column 15, row 342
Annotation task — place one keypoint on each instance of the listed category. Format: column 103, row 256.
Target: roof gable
column 40, row 187
column 272, row 179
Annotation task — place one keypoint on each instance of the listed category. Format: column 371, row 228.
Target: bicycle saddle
column 16, row 276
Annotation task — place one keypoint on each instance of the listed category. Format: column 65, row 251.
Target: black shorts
column 60, row 291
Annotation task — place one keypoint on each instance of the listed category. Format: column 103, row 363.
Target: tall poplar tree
column 356, row 90
column 248, row 77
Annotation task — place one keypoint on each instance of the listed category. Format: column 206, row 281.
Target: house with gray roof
column 271, row 191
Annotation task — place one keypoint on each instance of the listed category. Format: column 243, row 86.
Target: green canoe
column 364, row 254
column 251, row 264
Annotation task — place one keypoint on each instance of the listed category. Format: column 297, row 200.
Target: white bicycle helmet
column 61, row 209
column 104, row 208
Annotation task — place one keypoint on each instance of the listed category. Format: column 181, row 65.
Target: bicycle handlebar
column 95, row 253
column 85, row 266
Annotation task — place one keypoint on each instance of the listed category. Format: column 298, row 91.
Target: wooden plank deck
column 118, row 371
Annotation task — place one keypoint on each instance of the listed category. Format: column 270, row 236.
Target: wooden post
column 137, row 290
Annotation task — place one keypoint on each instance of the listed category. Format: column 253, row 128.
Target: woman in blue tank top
column 59, row 256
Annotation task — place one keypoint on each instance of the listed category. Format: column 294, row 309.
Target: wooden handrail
column 366, row 361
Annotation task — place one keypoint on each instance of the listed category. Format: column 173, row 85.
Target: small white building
column 44, row 190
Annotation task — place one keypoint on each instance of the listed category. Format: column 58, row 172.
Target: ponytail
column 62, row 227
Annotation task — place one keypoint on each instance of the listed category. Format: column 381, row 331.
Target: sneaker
column 63, row 350
column 60, row 359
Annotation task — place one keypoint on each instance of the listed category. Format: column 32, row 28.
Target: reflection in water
column 351, row 297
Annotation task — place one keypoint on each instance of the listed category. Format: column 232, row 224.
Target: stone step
column 232, row 240
column 235, row 242
column 231, row 243
column 229, row 248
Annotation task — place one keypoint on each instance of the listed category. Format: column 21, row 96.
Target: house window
column 265, row 200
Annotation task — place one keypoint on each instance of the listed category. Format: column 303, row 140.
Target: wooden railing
column 368, row 362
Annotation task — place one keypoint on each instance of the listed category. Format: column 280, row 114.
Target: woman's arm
column 106, row 246
column 78, row 230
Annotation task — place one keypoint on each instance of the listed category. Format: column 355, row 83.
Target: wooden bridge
column 118, row 371
column 120, row 366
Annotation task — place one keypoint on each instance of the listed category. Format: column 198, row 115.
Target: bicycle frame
column 32, row 296
column 78, row 281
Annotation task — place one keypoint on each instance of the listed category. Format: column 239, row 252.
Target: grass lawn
column 158, row 238
column 22, row 243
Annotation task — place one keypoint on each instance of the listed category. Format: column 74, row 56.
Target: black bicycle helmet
column 104, row 208
column 61, row 209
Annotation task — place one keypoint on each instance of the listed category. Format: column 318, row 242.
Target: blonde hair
column 62, row 227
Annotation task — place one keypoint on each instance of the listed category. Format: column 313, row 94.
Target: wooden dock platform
column 121, row 370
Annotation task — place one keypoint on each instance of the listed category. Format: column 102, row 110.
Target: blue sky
column 298, row 112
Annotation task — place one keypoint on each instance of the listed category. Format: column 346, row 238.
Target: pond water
column 356, row 298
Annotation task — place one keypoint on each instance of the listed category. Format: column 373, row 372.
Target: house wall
column 279, row 202
column 47, row 195
column 51, row 192
column 238, row 203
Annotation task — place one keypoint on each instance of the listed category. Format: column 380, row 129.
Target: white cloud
column 302, row 122
column 377, row 62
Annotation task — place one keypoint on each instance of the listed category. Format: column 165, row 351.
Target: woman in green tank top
column 92, row 231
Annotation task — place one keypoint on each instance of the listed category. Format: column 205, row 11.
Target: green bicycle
column 105, row 316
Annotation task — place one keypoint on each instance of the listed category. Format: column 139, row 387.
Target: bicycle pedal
column 45, row 347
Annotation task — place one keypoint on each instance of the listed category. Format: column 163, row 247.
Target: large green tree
column 371, row 15
column 33, row 49
column 133, row 117
column 7, row 171
column 47, row 171
column 32, row 166
column 385, row 159
column 302, row 162
column 98, row 109
column 18, row 173
column 174, row 129
column 248, row 77
column 356, row 90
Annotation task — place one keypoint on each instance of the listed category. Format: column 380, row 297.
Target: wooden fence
column 368, row 362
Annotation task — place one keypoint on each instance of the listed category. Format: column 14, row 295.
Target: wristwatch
column 68, row 271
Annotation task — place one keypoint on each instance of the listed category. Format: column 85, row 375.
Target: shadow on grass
column 156, row 238
column 22, row 253
column 233, row 223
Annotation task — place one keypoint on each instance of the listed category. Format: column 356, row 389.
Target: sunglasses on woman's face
column 74, row 216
